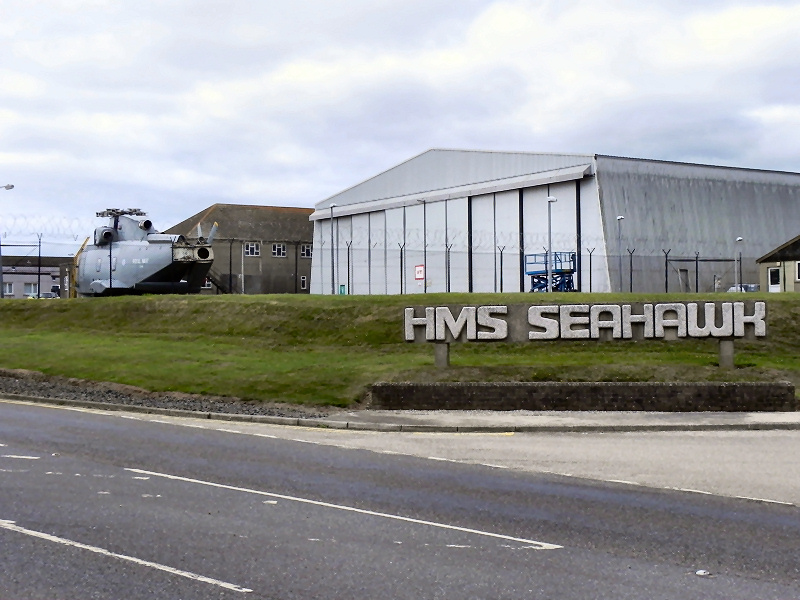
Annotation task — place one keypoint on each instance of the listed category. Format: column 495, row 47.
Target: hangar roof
column 441, row 169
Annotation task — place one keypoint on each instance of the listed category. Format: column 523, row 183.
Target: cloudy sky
column 173, row 105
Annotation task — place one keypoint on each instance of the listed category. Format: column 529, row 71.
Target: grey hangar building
column 486, row 221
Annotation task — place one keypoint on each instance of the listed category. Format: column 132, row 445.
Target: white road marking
column 104, row 493
column 538, row 545
column 443, row 459
column 764, row 500
column 2, row 445
column 622, row 481
column 9, row 525
column 141, row 478
column 14, row 471
column 20, row 457
column 493, row 466
column 270, row 501
column 457, row 546
column 227, row 430
column 692, row 491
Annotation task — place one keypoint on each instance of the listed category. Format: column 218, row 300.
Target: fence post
column 697, row 272
column 447, row 265
column 666, row 269
column 349, row 282
column 590, row 268
column 402, row 272
column 501, row 248
column 630, row 267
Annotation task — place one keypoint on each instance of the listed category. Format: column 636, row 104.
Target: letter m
column 445, row 322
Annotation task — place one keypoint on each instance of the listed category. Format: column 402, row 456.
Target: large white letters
column 584, row 321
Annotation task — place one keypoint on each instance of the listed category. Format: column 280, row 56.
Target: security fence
column 401, row 270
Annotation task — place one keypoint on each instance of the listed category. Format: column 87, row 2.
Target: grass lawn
column 328, row 350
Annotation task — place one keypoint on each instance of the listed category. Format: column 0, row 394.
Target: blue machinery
column 563, row 268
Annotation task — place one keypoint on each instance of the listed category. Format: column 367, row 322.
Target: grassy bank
column 326, row 350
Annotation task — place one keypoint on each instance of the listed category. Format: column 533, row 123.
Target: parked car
column 745, row 287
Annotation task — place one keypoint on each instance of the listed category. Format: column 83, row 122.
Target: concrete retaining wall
column 664, row 397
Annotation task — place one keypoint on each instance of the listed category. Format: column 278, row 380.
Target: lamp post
column 550, row 200
column 333, row 273
column 737, row 272
column 619, row 247
column 8, row 186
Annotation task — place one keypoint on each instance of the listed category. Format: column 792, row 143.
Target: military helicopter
column 128, row 256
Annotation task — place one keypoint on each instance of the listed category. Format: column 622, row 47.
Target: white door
column 774, row 279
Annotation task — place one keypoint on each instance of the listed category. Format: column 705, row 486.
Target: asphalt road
column 96, row 505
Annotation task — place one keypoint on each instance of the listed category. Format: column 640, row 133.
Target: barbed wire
column 51, row 227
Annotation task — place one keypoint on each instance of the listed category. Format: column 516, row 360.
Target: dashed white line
column 764, row 500
column 534, row 543
column 9, row 525
column 20, row 457
column 690, row 490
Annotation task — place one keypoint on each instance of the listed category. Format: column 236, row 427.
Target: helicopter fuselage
column 128, row 256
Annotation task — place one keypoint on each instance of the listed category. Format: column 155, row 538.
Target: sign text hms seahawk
column 639, row 320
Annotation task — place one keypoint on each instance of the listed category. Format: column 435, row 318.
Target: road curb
column 323, row 423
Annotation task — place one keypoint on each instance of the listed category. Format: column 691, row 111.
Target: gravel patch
column 31, row 383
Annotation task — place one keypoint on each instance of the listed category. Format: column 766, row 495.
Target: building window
column 303, row 282
column 279, row 250
column 31, row 289
column 252, row 249
column 798, row 271
column 8, row 288
column 305, row 251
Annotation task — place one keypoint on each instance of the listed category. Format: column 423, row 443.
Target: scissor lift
column 563, row 269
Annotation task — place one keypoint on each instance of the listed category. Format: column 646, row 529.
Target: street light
column 8, row 186
column 619, row 247
column 333, row 275
column 737, row 273
column 550, row 200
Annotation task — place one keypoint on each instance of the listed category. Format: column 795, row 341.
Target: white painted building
column 464, row 221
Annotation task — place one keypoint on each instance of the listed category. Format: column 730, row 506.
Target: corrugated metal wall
column 694, row 212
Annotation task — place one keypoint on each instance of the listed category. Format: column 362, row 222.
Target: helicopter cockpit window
column 98, row 265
